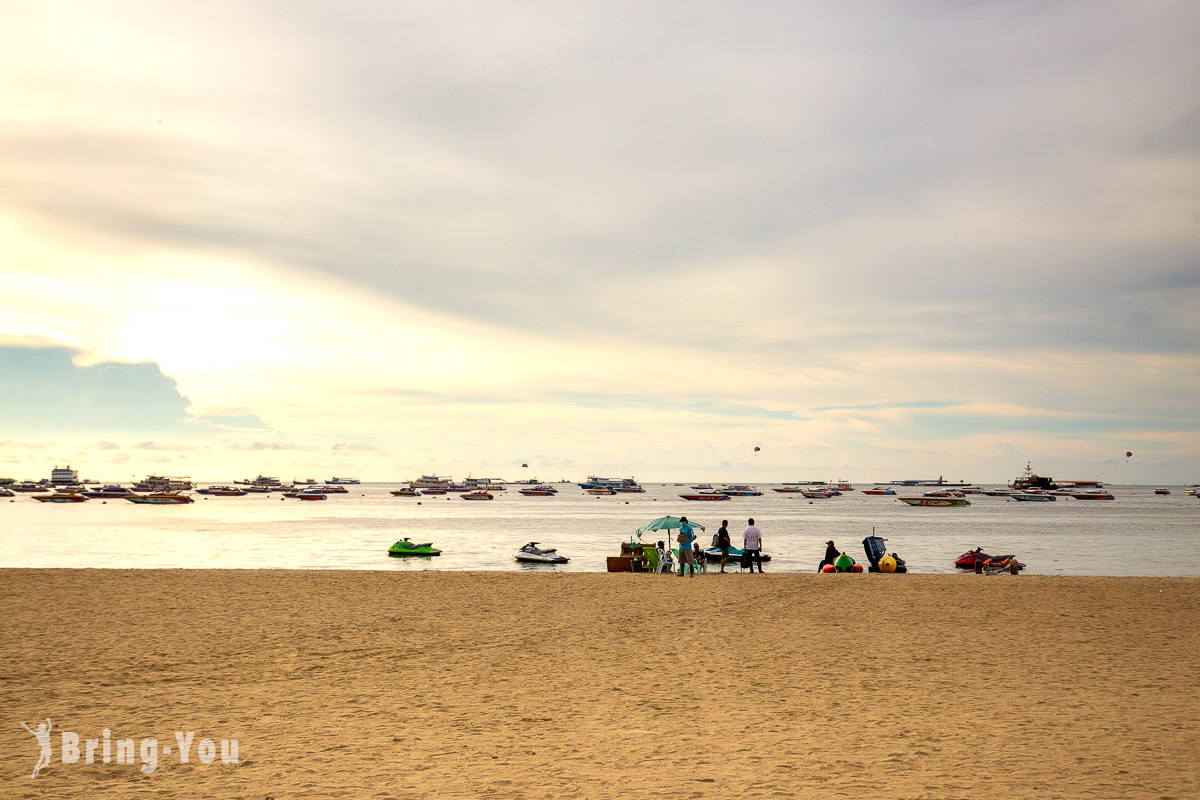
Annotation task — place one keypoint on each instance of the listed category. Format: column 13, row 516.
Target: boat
column 64, row 476
column 841, row 486
column 327, row 489
column 969, row 559
column 161, row 498
column 598, row 490
column 335, row 481
column 163, row 483
column 112, row 490
column 631, row 488
column 596, row 482
column 788, row 490
column 223, row 491
column 879, row 491
column 433, row 490
column 430, row 482
column 713, row 555
column 740, row 490
column 1161, row 490
column 542, row 490
column 477, row 496
column 532, row 554
column 935, row 501
column 709, row 496
column 408, row 491
column 6, row 492
column 814, row 494
column 1094, row 494
column 28, row 487
column 1033, row 497
column 312, row 495
column 704, row 487
column 485, row 485
column 406, row 548
column 61, row 497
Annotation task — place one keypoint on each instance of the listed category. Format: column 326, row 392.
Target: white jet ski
column 533, row 554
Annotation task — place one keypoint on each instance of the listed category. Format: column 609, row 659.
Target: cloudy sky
column 877, row 240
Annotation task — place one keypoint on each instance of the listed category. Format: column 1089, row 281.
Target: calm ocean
column 1138, row 533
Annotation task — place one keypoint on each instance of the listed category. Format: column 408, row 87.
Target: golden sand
column 510, row 685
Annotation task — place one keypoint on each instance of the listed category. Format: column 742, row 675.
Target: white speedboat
column 533, row 554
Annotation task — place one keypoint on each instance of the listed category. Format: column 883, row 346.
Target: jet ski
column 533, row 554
column 969, row 559
column 406, row 548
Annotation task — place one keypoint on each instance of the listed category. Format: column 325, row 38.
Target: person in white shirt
column 752, row 546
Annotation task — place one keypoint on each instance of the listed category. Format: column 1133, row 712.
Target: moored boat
column 111, row 491
column 407, row 491
column 740, row 490
column 1161, row 490
column 879, row 491
column 1033, row 497
column 935, row 501
column 477, row 496
column 161, row 498
column 598, row 490
column 542, row 490
column 705, row 496
column 61, row 497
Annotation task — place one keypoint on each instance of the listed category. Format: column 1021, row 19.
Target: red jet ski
column 969, row 559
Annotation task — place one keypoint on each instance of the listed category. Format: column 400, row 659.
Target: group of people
column 751, row 546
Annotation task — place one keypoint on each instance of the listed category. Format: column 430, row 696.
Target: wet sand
column 415, row 685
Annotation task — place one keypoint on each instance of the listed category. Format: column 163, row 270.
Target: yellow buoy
column 887, row 564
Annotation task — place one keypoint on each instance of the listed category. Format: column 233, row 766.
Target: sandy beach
column 384, row 685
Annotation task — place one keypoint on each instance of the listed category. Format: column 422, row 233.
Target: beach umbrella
column 664, row 524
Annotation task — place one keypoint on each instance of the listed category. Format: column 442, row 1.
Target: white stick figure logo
column 42, row 734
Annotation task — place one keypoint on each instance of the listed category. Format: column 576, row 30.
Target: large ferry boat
column 64, row 476
column 163, row 483
column 596, row 482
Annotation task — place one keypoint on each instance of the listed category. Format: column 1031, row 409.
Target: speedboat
column 406, row 548
column 533, row 554
column 705, row 496
column 597, row 490
column 312, row 495
column 1093, row 494
column 787, row 490
column 111, row 490
column 477, row 496
column 878, row 490
column 1033, row 497
column 406, row 492
column 741, row 490
column 935, row 501
column 1161, row 490
column 541, row 490
column 160, row 498
column 61, row 497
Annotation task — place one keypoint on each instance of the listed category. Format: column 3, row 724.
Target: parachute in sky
column 1128, row 454
column 756, row 451
column 524, row 466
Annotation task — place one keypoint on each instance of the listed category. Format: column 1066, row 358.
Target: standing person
column 723, row 542
column 752, row 545
column 831, row 554
column 686, row 555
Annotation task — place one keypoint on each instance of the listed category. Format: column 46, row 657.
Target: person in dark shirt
column 723, row 542
column 831, row 554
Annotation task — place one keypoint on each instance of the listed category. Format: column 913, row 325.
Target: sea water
column 1138, row 533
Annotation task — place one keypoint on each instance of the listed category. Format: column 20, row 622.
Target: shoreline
column 362, row 683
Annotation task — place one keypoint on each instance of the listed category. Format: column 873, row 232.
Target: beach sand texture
column 415, row 685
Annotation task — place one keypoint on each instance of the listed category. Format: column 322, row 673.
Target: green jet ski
column 406, row 548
